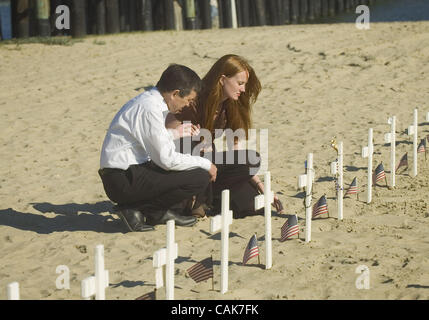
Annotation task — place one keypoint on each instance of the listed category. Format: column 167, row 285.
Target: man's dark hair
column 178, row 77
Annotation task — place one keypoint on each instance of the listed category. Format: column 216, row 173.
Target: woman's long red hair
column 238, row 112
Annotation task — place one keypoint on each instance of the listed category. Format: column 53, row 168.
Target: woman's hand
column 278, row 205
column 186, row 130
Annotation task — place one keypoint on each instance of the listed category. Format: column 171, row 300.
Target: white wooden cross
column 13, row 291
column 337, row 169
column 97, row 284
column 367, row 153
column 222, row 222
column 306, row 180
column 340, row 181
column 166, row 256
column 262, row 201
column 391, row 138
column 412, row 130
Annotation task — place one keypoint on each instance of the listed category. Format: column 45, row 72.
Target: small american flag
column 403, row 162
column 379, row 173
column 422, row 146
column 320, row 207
column 148, row 296
column 290, row 228
column 202, row 270
column 353, row 189
column 252, row 249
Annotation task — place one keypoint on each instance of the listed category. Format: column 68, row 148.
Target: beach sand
column 319, row 81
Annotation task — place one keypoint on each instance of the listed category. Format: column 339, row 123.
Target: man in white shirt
column 140, row 168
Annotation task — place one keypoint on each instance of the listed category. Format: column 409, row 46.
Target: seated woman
column 229, row 90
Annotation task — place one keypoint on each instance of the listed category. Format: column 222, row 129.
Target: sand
column 319, row 81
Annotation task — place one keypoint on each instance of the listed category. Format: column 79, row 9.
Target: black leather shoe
column 161, row 216
column 134, row 220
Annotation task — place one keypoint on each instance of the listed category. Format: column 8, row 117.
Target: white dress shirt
column 137, row 134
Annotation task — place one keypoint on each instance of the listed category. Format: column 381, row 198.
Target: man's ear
column 175, row 93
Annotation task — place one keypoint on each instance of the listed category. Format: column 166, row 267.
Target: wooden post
column 325, row 8
column 260, row 12
column 169, row 23
column 100, row 16
column 317, row 8
column 225, row 14
column 303, row 12
column 178, row 16
column 331, row 8
column 206, row 18
column 244, row 13
column 286, row 11
column 124, row 16
column 23, row 18
column 190, row 15
column 43, row 12
column 311, row 9
column 340, row 6
column 144, row 17
column 78, row 17
column 348, row 5
column 274, row 12
column 132, row 9
column 294, row 14
column 112, row 16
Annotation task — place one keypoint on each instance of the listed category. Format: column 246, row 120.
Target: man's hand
column 213, row 173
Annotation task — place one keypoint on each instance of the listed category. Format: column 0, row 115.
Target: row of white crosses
column 91, row 286
column 390, row 137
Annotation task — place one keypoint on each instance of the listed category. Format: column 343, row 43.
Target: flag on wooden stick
column 290, row 228
column 353, row 189
column 422, row 146
column 202, row 270
column 252, row 249
column 320, row 207
column 403, row 162
column 379, row 174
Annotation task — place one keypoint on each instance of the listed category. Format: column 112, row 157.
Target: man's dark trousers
column 149, row 184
